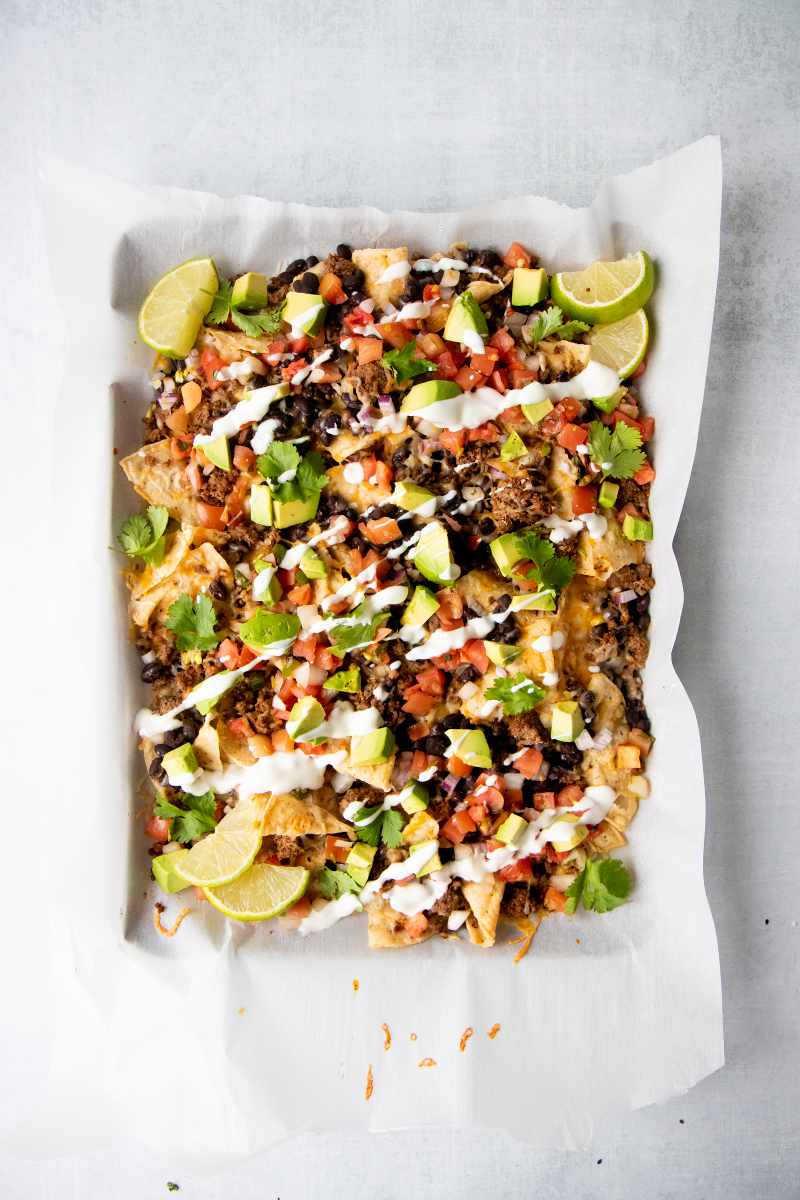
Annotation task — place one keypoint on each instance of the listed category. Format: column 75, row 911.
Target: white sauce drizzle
column 247, row 411
column 325, row 915
column 396, row 270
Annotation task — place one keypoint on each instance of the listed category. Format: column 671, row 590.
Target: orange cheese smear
column 387, row 1036
column 493, row 1032
column 158, row 909
column 466, row 1035
column 427, row 1062
column 368, row 1090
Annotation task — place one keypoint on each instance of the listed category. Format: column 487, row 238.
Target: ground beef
column 601, row 645
column 285, row 849
column 527, row 730
column 159, row 641
column 169, row 691
column 340, row 266
column 517, row 900
column 216, row 487
column 450, row 901
column 258, row 709
column 519, row 501
column 439, row 809
column 636, row 577
column 631, row 492
column 371, row 380
column 243, row 537
column 635, row 646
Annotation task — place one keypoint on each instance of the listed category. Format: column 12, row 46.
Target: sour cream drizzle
column 247, row 411
column 326, row 915
column 395, row 270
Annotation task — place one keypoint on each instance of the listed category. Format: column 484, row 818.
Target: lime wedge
column 227, row 852
column 605, row 291
column 621, row 345
column 171, row 316
column 262, row 892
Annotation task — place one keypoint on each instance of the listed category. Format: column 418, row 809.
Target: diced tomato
column 326, row 660
column 474, row 652
column 431, row 345
column 516, row 256
column 380, row 531
column 458, row 767
column 502, row 341
column 395, row 333
column 157, row 829
column 520, row 376
column 569, row 408
column 419, row 763
column 240, row 727
column 514, row 417
column 543, row 800
column 243, row 458
column 569, row 795
column 383, row 476
column 552, row 424
column 431, row 291
column 419, row 703
column 640, row 370
column 303, row 594
column 210, row 516
column 486, row 362
column 529, row 764
column 299, row 345
column 644, row 475
column 491, row 798
column 246, row 655
column 446, row 366
column 453, row 440
column 572, row 436
column 415, row 926
column 286, row 577
column 306, row 647
column 179, row 449
column 331, row 290
column 336, row 849
column 359, row 317
column 234, row 505
column 210, row 362
column 290, row 370
column 451, row 608
column 514, row 798
column 274, row 350
column 328, row 373
column 178, row 420
column 467, row 379
column 488, row 432
column 499, row 382
column 228, row 654
column 458, row 826
column 647, row 425
column 301, row 909
column 555, row 900
column 584, row 499
column 195, row 476
column 420, row 730
column 432, row 681
column 517, row 871
column 369, row 349
column 448, row 661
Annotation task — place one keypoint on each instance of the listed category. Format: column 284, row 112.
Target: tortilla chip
column 484, row 902
column 622, row 811
column 378, row 776
column 141, row 582
column 562, row 477
column 484, row 289
column 344, row 445
column 199, row 567
column 206, row 747
column 360, row 495
column 385, row 927
column 373, row 263
column 560, row 356
column 159, row 479
column 232, row 346
column 285, row 814
column 482, row 589
column 609, row 703
column 607, row 838
column 613, row 550
column 233, row 746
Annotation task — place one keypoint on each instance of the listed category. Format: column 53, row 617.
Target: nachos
column 389, row 588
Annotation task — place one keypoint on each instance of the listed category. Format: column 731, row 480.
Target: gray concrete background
column 439, row 105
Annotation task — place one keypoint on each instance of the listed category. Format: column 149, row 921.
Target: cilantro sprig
column 551, row 571
column 405, row 364
column 279, row 458
column 345, row 637
column 517, row 693
column 254, row 324
column 142, row 536
column 310, row 475
column 603, row 884
column 386, row 828
column 550, row 323
column 616, row 453
column 193, row 623
column 333, row 884
column 190, row 822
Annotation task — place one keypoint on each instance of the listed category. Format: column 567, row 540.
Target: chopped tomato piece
column 303, row 594
column 569, row 795
column 326, row 660
column 584, row 500
column 246, row 655
column 419, row 763
column 240, row 727
column 210, row 362
column 420, row 730
column 178, row 420
column 431, row 345
column 157, row 829
column 234, row 505
column 458, row 767
column 529, row 764
column 299, row 345
column 569, row 408
column 453, row 440
column 459, row 825
column 516, row 256
column 301, row 909
column 640, row 370
column 644, row 475
column 419, row 703
column 228, row 654
column 383, row 476
column 395, row 333
column 210, row 516
column 369, row 349
column 331, row 290
column 521, row 375
column 336, row 848
column 359, row 317
column 467, row 379
column 517, row 871
column 451, row 608
column 572, row 436
column 446, row 366
column 380, row 531
column 514, row 416
column 555, row 900
column 502, row 341
column 491, row 798
column 543, row 800
column 499, row 382
column 488, row 432
column 648, row 428
column 306, row 647
column 416, row 925
column 290, row 370
column 486, row 362
column 243, row 458
column 475, row 653
column 432, row 681
column 431, row 291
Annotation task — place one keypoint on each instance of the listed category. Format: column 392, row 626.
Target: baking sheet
column 242, row 1035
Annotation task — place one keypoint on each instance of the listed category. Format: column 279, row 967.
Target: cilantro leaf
column 335, row 883
column 256, row 324
column 549, row 324
column 517, row 693
column 387, row 827
column 193, row 623
column 393, row 825
column 344, row 638
column 220, row 305
column 277, row 459
column 405, row 363
column 570, row 328
column 556, row 573
column 311, row 474
column 550, row 570
column 193, row 820
column 602, row 885
column 616, row 453
column 142, row 536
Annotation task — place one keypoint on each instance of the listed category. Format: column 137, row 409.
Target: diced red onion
column 449, row 784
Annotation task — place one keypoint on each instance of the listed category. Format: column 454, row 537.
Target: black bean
column 173, row 737
column 486, row 525
column 294, row 267
column 152, row 671
column 237, row 548
column 399, row 457
column 191, row 721
column 156, row 771
column 468, row 256
column 501, row 604
column 312, row 260
column 351, row 280
column 466, row 673
column 437, row 746
column 217, row 589
column 309, row 284
column 437, row 455
column 454, row 721
column 344, row 251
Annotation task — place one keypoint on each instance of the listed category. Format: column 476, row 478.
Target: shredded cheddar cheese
column 387, row 1036
column 466, row 1035
column 368, row 1090
column 493, row 1032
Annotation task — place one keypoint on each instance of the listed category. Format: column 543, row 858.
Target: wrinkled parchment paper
column 232, row 1037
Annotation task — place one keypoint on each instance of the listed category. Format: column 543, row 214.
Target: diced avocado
column 513, row 447
column 500, row 654
column 299, row 302
column 567, row 721
column 572, row 839
column 530, row 286
column 414, row 798
column 358, row 863
column 432, row 555
column 465, row 314
column 260, row 504
column 607, row 404
column 306, row 716
column 533, row 601
column 637, row 529
column 180, row 763
column 294, row 512
column 433, row 863
column 429, row 392
column 312, row 565
column 267, row 582
column 420, row 608
column 607, row 496
column 344, row 681
column 166, row 871
column 511, row 830
column 506, row 552
column 205, row 706
column 218, row 452
column 421, row 828
column 369, row 749
column 265, row 628
column 409, row 495
column 250, row 291
column 537, row 411
column 470, row 746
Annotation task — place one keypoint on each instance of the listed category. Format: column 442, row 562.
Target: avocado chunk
column 420, row 608
column 637, row 529
column 344, row 681
column 500, row 654
column 529, row 286
column 260, row 504
column 358, row 863
column 429, row 392
column 294, row 512
column 434, row 863
column 470, row 746
column 369, row 749
column 465, row 314
column 538, row 411
column 432, row 555
column 266, row 585
column 607, row 496
column 181, row 765
column 409, row 495
column 305, row 718
column 218, row 452
column 566, row 722
column 298, row 303
column 572, row 839
column 511, row 830
column 506, row 552
column 250, row 291
column 607, row 404
column 166, row 871
column 513, row 447
column 265, row 628
column 533, row 601
column 414, row 797
column 312, row 565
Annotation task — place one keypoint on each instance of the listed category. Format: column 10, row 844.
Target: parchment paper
column 232, row 1037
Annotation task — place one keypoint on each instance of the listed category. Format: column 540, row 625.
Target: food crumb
column 242, row 1011
column 158, row 909
column 370, row 1084
column 599, row 1161
column 766, row 920
column 413, row 1037
column 172, row 1187
column 527, row 931
column 681, row 1121
column 356, row 985
column 427, row 1062
column 466, row 1035
column 493, row 1032
column 387, row 1036
column 577, row 941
